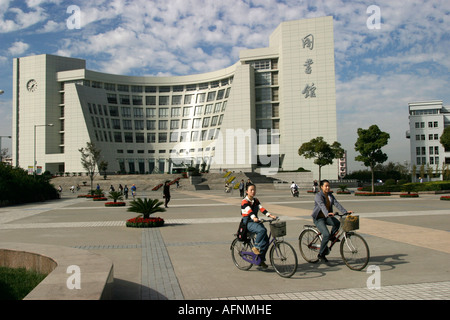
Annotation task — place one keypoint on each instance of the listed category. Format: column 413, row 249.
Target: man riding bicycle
column 249, row 210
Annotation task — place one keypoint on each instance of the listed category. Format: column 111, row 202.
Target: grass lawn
column 15, row 284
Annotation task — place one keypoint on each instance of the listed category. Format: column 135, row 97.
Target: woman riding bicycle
column 249, row 210
column 323, row 215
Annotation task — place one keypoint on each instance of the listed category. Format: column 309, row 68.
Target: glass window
column 198, row 111
column 150, row 112
column 187, row 111
column 174, row 136
column 163, row 112
column 194, row 135
column 208, row 108
column 126, row 112
column 127, row 125
column 151, row 137
column 205, row 122
column 112, row 98
column 162, row 124
column 150, row 89
column 178, row 88
column 117, row 137
column 137, row 100
column 218, row 107
column 123, row 87
column 189, row 99
column 201, row 97
column 124, row 99
column 185, row 123
column 211, row 96
column 176, row 100
column 150, row 100
column 162, row 137
column 151, row 124
column 174, row 124
column 128, row 137
column 113, row 111
column 175, row 112
column 138, row 124
column 137, row 89
column 263, row 79
column 139, row 137
column 196, row 123
column 263, row 94
column 164, row 89
column 116, row 124
column 220, row 94
column 163, row 100
column 138, row 112
column 214, row 120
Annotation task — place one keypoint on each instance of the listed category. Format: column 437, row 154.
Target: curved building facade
column 251, row 116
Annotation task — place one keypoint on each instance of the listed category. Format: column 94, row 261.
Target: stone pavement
column 189, row 258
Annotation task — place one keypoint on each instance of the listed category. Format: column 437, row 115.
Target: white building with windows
column 427, row 120
column 251, row 116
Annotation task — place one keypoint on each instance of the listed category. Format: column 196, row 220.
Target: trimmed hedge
column 413, row 187
column 17, row 186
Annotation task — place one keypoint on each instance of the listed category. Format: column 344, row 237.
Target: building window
column 163, row 112
column 126, row 112
column 117, row 137
column 151, row 124
column 163, row 100
column 138, row 124
column 162, row 137
column 112, row 98
column 150, row 112
column 138, row 112
column 175, row 112
column 124, row 99
column 116, row 124
column 162, row 125
column 151, row 137
column 150, row 100
column 128, row 137
column 137, row 100
column 139, row 137
column 176, row 100
column 211, row 96
column 174, row 124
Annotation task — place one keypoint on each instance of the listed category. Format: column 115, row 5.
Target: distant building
column 251, row 116
column 427, row 120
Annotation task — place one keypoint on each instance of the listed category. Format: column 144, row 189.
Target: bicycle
column 354, row 249
column 282, row 255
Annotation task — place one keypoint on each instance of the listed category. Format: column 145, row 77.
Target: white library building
column 251, row 116
column 427, row 121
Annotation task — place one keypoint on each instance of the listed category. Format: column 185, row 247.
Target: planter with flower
column 146, row 207
column 407, row 190
column 115, row 195
column 343, row 189
column 447, row 198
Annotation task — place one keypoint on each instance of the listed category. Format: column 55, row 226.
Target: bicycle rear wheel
column 283, row 259
column 309, row 243
column 355, row 251
column 237, row 247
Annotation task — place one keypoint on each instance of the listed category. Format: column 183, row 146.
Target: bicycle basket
column 278, row 229
column 351, row 223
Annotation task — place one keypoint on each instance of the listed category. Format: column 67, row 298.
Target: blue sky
column 378, row 71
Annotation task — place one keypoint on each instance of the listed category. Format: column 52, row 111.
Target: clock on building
column 32, row 85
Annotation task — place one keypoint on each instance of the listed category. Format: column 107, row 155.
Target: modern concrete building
column 427, row 120
column 251, row 116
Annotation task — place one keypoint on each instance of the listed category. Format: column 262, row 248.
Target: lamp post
column 35, row 126
column 2, row 92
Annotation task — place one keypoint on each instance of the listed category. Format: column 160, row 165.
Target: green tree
column 445, row 138
column 369, row 144
column 90, row 157
column 323, row 152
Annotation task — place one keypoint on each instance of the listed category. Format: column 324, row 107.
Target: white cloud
column 18, row 48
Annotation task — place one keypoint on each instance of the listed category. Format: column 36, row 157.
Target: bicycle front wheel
column 309, row 244
column 237, row 249
column 283, row 259
column 355, row 251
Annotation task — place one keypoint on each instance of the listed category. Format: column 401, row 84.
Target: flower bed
column 157, row 187
column 140, row 222
column 409, row 195
column 370, row 194
column 445, row 198
column 115, row 204
column 99, row 199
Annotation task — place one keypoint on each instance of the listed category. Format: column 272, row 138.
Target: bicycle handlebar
column 343, row 214
column 265, row 220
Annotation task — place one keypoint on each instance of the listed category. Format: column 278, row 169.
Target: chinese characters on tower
column 310, row 90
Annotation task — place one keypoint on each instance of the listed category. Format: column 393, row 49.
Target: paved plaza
column 189, row 257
